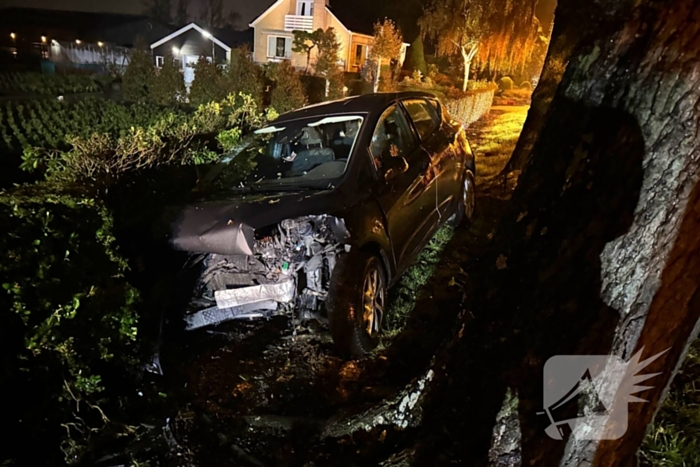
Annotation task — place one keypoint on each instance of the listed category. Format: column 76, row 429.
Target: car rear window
column 423, row 115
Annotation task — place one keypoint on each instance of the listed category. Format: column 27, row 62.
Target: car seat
column 311, row 157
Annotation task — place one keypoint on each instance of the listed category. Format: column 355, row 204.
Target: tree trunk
column 376, row 76
column 467, row 65
column 467, row 56
column 599, row 253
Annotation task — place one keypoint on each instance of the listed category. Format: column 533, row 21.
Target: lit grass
column 497, row 142
column 402, row 298
column 674, row 439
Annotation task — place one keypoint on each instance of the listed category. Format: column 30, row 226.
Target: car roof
column 367, row 103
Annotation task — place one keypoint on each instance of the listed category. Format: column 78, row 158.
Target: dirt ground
column 265, row 392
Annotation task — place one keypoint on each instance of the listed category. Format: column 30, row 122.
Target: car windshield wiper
column 281, row 187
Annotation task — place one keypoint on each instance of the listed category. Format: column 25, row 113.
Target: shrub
column 526, row 85
column 242, row 75
column 69, row 318
column 139, row 137
column 314, row 88
column 388, row 78
column 505, row 84
column 517, row 96
column 207, row 85
column 138, row 77
column 416, row 57
column 17, row 83
column 336, row 84
column 168, row 84
column 475, row 85
column 288, row 92
column 359, row 87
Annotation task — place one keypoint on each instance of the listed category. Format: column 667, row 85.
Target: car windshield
column 305, row 152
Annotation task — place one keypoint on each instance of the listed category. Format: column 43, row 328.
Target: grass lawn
column 493, row 139
column 674, row 438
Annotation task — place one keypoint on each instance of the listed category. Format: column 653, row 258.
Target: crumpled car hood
column 228, row 226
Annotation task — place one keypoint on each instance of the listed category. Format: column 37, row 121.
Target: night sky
column 248, row 9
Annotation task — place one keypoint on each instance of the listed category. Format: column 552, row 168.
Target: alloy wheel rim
column 373, row 301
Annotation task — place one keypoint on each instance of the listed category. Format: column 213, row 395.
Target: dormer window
column 305, row 7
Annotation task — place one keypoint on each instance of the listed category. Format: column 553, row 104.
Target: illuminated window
column 305, row 7
column 279, row 47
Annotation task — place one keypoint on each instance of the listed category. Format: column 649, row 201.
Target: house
column 190, row 42
column 274, row 33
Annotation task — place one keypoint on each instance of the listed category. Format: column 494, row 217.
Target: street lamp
column 100, row 43
column 77, row 41
column 13, row 35
column 43, row 39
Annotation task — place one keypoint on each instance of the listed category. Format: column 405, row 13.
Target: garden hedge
column 471, row 107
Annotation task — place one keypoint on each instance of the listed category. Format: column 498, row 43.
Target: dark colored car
column 322, row 210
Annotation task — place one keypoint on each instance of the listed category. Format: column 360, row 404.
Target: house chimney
column 320, row 14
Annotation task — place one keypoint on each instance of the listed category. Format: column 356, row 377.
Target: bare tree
column 181, row 12
column 159, row 9
column 214, row 14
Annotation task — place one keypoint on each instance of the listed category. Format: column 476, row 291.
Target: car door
column 444, row 174
column 399, row 197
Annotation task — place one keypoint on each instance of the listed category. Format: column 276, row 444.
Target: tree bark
column 467, row 65
column 467, row 56
column 599, row 253
column 376, row 76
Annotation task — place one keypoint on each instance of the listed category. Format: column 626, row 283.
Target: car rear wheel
column 467, row 201
column 356, row 303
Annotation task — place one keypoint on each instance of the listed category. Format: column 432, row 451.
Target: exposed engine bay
column 290, row 270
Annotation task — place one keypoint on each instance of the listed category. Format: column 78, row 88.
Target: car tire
column 467, row 201
column 358, row 284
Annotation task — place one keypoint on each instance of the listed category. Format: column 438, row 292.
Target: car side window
column 424, row 117
column 438, row 108
column 392, row 137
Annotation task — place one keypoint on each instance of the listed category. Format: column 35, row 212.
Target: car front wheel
column 356, row 302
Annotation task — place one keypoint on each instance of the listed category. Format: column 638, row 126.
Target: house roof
column 184, row 29
column 265, row 13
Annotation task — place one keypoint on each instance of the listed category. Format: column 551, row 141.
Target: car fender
column 368, row 232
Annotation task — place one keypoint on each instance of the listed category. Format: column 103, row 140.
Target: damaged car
column 315, row 215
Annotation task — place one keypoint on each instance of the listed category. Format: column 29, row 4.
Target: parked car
column 322, row 210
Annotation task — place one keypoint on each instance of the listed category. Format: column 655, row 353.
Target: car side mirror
column 393, row 167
